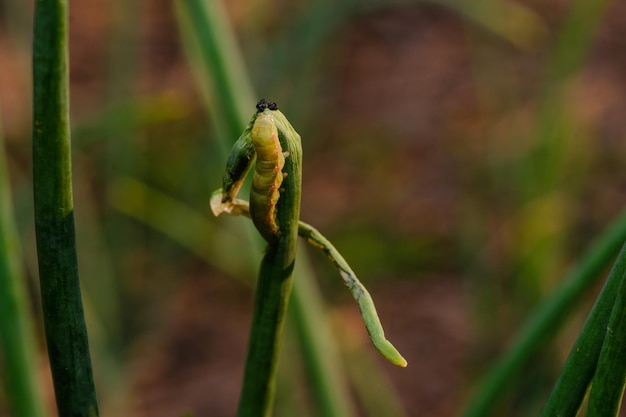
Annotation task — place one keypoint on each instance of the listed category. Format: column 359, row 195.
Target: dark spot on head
column 261, row 105
column 264, row 104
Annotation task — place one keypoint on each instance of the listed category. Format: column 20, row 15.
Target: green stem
column 272, row 294
column 17, row 347
column 608, row 382
column 580, row 366
column 547, row 317
column 230, row 99
column 66, row 333
column 358, row 291
column 223, row 250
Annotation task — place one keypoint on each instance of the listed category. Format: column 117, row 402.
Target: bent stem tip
column 372, row 322
column 390, row 353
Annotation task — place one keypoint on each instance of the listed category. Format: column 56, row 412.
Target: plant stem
column 546, row 318
column 230, row 93
column 17, row 347
column 270, row 307
column 580, row 366
column 358, row 291
column 608, row 382
column 66, row 333
column 203, row 238
column 272, row 293
column 205, row 28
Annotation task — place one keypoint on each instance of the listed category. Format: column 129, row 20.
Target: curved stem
column 363, row 298
column 608, row 382
column 548, row 316
column 569, row 390
column 358, row 291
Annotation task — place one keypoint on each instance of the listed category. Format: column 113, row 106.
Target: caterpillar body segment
column 263, row 140
column 275, row 206
column 268, row 175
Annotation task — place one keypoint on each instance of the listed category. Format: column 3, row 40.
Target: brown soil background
column 403, row 101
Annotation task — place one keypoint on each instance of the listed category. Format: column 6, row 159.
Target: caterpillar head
column 264, row 104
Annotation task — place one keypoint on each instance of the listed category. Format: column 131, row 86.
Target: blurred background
column 460, row 155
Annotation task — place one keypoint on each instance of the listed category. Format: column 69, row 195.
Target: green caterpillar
column 261, row 140
column 268, row 175
column 264, row 139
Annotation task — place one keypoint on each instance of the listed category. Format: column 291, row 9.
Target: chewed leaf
column 359, row 292
column 217, row 207
column 234, row 207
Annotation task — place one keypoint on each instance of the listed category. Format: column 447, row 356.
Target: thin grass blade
column 608, row 382
column 17, row 341
column 230, row 99
column 548, row 316
column 572, row 385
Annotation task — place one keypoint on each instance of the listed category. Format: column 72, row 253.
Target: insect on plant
column 273, row 142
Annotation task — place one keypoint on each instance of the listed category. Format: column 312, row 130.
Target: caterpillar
column 268, row 175
column 265, row 137
column 270, row 138
column 241, row 157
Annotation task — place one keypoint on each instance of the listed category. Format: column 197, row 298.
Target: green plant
column 17, row 348
column 548, row 316
column 283, row 48
column 594, row 357
column 274, row 209
column 66, row 333
column 210, row 43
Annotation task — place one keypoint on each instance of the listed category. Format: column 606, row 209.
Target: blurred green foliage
column 461, row 155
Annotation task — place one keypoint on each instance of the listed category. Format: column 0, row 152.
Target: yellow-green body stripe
column 270, row 138
column 267, row 177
